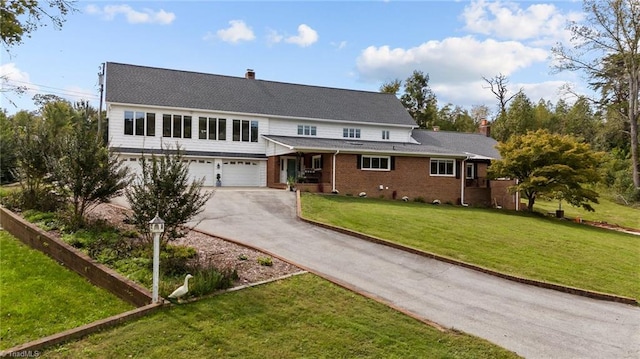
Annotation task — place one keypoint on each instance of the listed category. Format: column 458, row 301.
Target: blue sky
column 355, row 45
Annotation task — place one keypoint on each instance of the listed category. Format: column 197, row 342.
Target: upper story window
column 443, row 167
column 351, row 132
column 212, row 128
column 138, row 123
column 306, row 130
column 385, row 134
column 245, row 131
column 378, row 163
column 176, row 126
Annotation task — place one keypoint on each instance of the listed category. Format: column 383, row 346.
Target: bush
column 47, row 221
column 175, row 260
column 265, row 261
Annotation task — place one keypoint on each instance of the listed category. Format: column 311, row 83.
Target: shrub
column 174, row 260
column 265, row 261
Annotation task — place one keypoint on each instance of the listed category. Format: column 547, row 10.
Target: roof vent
column 251, row 75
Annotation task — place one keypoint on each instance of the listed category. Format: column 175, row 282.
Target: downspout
column 463, row 178
column 517, row 198
column 333, row 172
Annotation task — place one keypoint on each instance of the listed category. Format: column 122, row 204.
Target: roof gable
column 182, row 89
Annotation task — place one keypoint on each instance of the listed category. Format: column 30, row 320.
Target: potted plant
column 291, row 183
column 218, row 180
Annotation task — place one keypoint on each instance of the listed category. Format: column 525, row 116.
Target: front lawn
column 515, row 243
column 300, row 317
column 605, row 211
column 39, row 297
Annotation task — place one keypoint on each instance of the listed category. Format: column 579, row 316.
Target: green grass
column 39, row 297
column 300, row 317
column 605, row 211
column 515, row 243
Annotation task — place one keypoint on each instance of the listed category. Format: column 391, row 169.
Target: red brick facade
column 409, row 177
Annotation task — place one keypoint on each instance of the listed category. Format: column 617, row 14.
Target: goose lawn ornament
column 182, row 290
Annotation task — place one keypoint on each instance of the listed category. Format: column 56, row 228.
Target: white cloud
column 238, row 31
column 452, row 60
column 306, row 36
column 339, row 45
column 146, row 16
column 541, row 24
column 273, row 37
column 11, row 77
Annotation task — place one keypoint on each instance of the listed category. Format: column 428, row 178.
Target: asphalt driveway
column 531, row 321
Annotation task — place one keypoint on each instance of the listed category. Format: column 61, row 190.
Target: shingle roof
column 141, row 85
column 474, row 144
column 457, row 144
column 353, row 145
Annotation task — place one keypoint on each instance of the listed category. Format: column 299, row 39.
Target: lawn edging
column 537, row 283
column 98, row 274
column 33, row 348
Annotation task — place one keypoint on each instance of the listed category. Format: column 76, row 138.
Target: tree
column 19, row 18
column 519, row 118
column 419, row 100
column 88, row 172
column 549, row 165
column 611, row 32
column 391, row 87
column 163, row 188
column 498, row 86
column 8, row 158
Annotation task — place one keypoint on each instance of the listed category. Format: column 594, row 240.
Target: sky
column 355, row 45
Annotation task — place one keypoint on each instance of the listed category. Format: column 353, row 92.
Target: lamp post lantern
column 156, row 227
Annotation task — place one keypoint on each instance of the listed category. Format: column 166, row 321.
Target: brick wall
column 409, row 178
column 501, row 195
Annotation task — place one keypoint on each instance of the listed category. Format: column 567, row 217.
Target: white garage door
column 199, row 168
column 240, row 173
column 135, row 170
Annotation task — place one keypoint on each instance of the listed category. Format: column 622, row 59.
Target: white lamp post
column 156, row 226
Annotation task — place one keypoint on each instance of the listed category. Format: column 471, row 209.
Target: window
column 166, row 125
column 151, row 124
column 137, row 122
column 128, row 122
column 380, row 163
column 202, row 128
column 306, row 130
column 222, row 129
column 254, row 131
column 385, row 134
column 186, row 129
column 470, row 171
column 351, row 132
column 177, row 126
column 316, row 162
column 213, row 128
column 245, row 131
column 442, row 167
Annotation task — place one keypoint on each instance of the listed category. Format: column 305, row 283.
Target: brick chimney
column 485, row 128
column 251, row 75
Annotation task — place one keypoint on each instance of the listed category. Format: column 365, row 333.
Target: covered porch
column 308, row 171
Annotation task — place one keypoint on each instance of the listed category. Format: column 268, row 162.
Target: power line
column 68, row 92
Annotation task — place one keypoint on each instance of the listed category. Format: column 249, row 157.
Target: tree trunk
column 532, row 200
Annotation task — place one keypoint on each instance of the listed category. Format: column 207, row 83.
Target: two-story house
column 256, row 133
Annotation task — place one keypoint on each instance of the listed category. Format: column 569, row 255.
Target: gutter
column 463, row 178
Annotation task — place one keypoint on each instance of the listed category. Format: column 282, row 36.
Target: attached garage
column 242, row 173
column 199, row 168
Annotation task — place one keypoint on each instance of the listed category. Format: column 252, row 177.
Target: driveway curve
column 531, row 321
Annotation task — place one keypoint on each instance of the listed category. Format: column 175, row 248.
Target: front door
column 288, row 169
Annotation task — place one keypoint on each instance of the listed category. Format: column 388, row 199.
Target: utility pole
column 101, row 84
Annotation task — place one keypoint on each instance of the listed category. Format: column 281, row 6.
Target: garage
column 241, row 173
column 201, row 168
